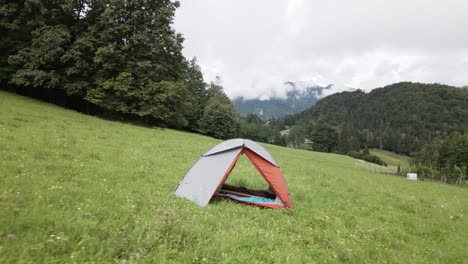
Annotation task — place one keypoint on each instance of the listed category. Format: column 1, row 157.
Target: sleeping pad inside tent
column 206, row 178
column 243, row 194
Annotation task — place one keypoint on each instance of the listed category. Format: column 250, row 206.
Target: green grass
column 245, row 174
column 391, row 158
column 78, row 189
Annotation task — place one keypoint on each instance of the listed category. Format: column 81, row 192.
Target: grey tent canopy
column 206, row 177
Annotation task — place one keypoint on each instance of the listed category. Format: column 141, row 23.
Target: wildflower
column 55, row 187
column 167, row 213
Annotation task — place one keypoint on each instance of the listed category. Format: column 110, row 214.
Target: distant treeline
column 117, row 59
column 401, row 117
column 444, row 160
column 428, row 122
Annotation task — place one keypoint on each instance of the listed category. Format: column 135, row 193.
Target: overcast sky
column 257, row 45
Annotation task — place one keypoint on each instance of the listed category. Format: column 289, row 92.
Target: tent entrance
column 244, row 192
column 245, row 183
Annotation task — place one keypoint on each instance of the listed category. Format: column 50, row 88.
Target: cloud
column 256, row 46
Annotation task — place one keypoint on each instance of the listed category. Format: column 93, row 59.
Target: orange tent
column 206, row 178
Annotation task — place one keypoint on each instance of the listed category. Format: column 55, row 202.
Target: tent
column 205, row 179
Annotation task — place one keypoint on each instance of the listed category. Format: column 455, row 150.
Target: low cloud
column 257, row 46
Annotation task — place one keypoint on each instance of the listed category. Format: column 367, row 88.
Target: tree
column 18, row 18
column 40, row 64
column 134, row 47
column 365, row 151
column 297, row 136
column 123, row 57
column 168, row 102
column 219, row 119
column 346, row 140
column 400, row 117
column 197, row 88
column 324, row 137
column 447, row 159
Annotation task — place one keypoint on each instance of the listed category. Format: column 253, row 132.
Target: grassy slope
column 391, row 158
column 75, row 188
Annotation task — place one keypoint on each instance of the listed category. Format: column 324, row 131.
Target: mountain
column 400, row 117
column 297, row 100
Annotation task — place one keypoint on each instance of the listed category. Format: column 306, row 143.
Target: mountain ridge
column 400, row 117
column 296, row 100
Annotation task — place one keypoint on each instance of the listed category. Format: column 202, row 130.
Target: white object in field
column 412, row 176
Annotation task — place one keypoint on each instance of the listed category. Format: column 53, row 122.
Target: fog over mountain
column 255, row 46
column 291, row 97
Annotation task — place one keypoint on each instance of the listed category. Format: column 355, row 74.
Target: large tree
column 136, row 55
column 30, row 28
column 18, row 18
column 40, row 63
column 219, row 119
column 123, row 56
column 197, row 88
column 44, row 32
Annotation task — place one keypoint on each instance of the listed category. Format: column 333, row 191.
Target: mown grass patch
column 75, row 188
column 392, row 159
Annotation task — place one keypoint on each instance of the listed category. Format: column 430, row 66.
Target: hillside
column 400, row 117
column 391, row 158
column 296, row 101
column 75, row 188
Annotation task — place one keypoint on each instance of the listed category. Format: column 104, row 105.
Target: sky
column 255, row 46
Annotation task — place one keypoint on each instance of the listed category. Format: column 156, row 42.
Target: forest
column 428, row 122
column 401, row 117
column 123, row 60
column 115, row 59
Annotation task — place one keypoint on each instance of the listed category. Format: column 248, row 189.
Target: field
column 79, row 189
column 392, row 159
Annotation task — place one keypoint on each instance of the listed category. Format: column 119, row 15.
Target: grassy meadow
column 79, row 189
column 392, row 159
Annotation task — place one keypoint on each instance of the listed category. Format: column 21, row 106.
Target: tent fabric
column 272, row 175
column 206, row 177
column 225, row 145
column 202, row 180
column 238, row 143
column 255, row 147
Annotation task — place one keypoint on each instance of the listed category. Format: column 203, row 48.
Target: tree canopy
column 400, row 117
column 123, row 58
